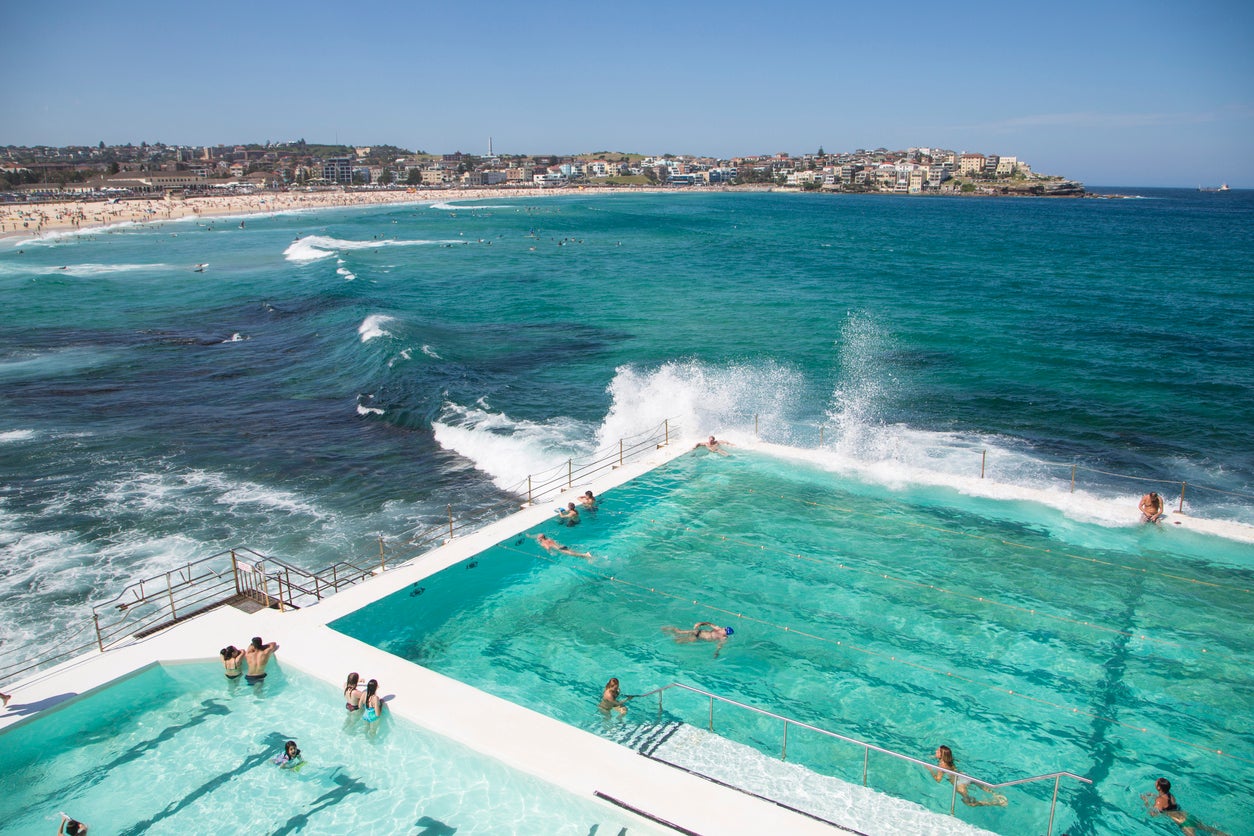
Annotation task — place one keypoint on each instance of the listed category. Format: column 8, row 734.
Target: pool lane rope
column 587, row 569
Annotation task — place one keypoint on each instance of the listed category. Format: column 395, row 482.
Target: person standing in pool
column 352, row 696
column 945, row 759
column 1151, row 507
column 232, row 656
column 569, row 515
column 1165, row 805
column 610, row 699
column 588, row 501
column 373, row 705
column 257, row 655
column 702, row 631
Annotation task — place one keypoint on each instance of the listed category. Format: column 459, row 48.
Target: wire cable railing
column 958, row 779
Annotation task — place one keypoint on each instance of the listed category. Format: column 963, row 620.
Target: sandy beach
column 27, row 219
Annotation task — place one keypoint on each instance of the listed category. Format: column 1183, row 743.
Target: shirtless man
column 589, row 501
column 713, row 445
column 553, row 547
column 702, row 631
column 257, row 655
column 1151, row 508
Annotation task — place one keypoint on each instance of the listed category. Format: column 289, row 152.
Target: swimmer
column 70, row 827
column 610, row 699
column 569, row 515
column 1151, row 508
column 231, row 658
column 257, row 655
column 702, row 631
column 945, row 759
column 589, row 501
column 1165, row 805
column 553, row 547
column 290, row 758
column 713, row 445
column 373, row 705
column 6, row 698
column 352, row 697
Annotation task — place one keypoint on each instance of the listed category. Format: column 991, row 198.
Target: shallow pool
column 179, row 749
column 1024, row 640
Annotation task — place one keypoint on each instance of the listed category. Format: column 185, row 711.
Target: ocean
column 339, row 375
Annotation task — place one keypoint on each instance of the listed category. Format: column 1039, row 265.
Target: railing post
column 450, row 522
column 1180, row 507
column 235, row 572
column 866, row 766
column 983, row 459
column 711, row 714
column 1073, row 478
column 95, row 617
column 383, row 560
column 528, row 488
column 570, row 473
column 1049, row 830
column 666, row 431
column 755, row 425
column 620, row 452
column 784, row 755
column 169, row 588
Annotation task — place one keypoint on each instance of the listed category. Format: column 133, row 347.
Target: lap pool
column 179, row 749
column 1027, row 641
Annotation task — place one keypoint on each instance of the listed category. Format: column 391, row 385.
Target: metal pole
column 170, row 591
column 383, row 561
column 666, row 425
column 755, row 425
column 1073, row 478
column 95, row 617
column 620, row 452
column 1180, row 507
column 570, row 473
column 235, row 572
column 866, row 765
column 983, row 459
column 450, row 522
column 528, row 488
column 784, row 755
column 711, row 714
column 1049, row 830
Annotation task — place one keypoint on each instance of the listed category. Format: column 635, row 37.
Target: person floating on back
column 713, row 445
column 702, row 631
column 1151, row 508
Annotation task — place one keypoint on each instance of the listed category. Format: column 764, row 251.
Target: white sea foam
column 454, row 207
column 348, row 275
column 430, row 352
column 507, row 449
column 368, row 410
column 235, row 338
column 314, row 247
column 372, row 327
column 79, row 270
column 13, row 436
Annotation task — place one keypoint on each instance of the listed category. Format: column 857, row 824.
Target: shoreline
column 36, row 220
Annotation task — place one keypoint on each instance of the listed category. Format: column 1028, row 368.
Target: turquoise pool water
column 178, row 749
column 1027, row 641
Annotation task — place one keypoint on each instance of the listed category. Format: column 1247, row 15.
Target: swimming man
column 702, row 631
column 257, row 655
column 713, row 445
column 553, row 547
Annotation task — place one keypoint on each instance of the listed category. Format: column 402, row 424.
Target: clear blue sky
column 1111, row 93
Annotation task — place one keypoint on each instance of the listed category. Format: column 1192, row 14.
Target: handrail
column 152, row 603
column 867, row 748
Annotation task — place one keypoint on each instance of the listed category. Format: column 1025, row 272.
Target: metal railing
column 867, row 748
column 151, row 604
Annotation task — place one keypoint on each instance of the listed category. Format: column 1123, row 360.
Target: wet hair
column 946, row 756
column 371, row 687
column 258, row 643
column 1163, row 785
column 292, row 748
column 352, row 680
column 613, row 683
column 229, row 652
column 73, row 828
column 588, row 494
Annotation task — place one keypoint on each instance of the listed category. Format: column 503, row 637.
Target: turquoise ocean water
column 337, row 375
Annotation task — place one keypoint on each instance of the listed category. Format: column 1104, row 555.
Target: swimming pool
column 179, row 749
column 905, row 618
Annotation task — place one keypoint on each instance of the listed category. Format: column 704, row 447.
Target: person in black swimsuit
column 1165, row 805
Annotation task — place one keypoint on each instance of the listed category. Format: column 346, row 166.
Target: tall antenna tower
column 490, row 146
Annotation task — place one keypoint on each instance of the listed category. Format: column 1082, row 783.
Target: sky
column 1146, row 93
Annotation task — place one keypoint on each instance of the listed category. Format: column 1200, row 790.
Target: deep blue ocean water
column 336, row 375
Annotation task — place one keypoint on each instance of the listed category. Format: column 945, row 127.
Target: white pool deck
column 573, row 759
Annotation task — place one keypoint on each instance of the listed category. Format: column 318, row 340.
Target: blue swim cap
column 729, row 630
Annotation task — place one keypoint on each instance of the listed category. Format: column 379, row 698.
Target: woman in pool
column 1165, row 805
column 373, row 705
column 702, row 631
column 610, row 700
column 352, row 697
column 232, row 656
column 945, row 759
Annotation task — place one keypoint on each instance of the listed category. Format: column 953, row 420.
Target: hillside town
column 111, row 171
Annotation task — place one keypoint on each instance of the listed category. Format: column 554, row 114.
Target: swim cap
column 729, row 630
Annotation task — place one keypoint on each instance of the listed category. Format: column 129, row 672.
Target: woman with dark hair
column 352, row 697
column 1165, row 805
column 373, row 705
column 232, row 656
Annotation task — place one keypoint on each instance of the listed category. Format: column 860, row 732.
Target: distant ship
column 1222, row 188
